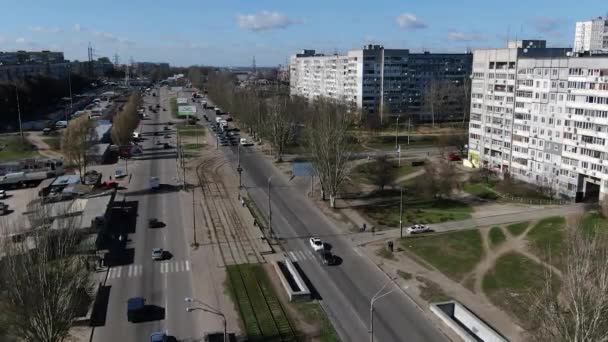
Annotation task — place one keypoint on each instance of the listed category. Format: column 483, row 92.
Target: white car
column 316, row 244
column 418, row 228
column 120, row 173
column 243, row 142
column 2, row 194
column 157, row 254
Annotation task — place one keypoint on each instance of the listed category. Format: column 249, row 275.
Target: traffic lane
column 363, row 287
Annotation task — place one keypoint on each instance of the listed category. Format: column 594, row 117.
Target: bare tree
column 440, row 179
column 76, row 141
column 382, row 171
column 578, row 309
column 329, row 145
column 126, row 121
column 45, row 283
column 280, row 124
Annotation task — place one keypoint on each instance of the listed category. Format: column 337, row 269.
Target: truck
column 22, row 179
column 136, row 309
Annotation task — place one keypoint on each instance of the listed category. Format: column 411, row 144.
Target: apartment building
column 591, row 35
column 541, row 115
column 377, row 80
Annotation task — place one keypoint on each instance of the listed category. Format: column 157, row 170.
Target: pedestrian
column 243, row 202
column 364, row 226
column 373, row 230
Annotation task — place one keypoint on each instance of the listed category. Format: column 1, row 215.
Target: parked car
column 167, row 146
column 418, row 228
column 3, row 208
column 2, row 194
column 243, row 142
column 316, row 244
column 158, row 336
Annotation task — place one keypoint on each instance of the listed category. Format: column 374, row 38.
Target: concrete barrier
column 465, row 323
column 292, row 282
column 86, row 319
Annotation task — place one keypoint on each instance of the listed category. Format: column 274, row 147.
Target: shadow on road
column 119, row 257
column 150, row 313
column 157, row 156
column 314, row 294
column 100, row 307
column 162, row 189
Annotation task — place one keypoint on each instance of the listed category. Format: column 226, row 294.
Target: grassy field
column 261, row 312
column 593, row 222
column 512, row 281
column 547, row 239
column 385, row 253
column 454, row 254
column 313, row 313
column 191, row 130
column 481, row 190
column 193, row 146
column 517, row 229
column 431, row 291
column 363, row 173
column 496, row 236
column 11, row 148
column 419, row 212
column 173, row 107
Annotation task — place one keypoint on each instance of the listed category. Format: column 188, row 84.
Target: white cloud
column 44, row 29
column 461, row 36
column 409, row 21
column 264, row 20
column 78, row 28
column 547, row 24
column 20, row 40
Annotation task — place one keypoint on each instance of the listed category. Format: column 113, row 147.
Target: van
column 136, row 309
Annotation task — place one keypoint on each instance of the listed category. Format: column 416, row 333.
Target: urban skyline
column 275, row 30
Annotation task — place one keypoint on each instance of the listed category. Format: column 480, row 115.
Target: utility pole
column 195, row 243
column 269, row 207
column 19, row 114
column 239, row 169
column 397, row 133
column 401, row 212
column 70, row 87
column 409, row 126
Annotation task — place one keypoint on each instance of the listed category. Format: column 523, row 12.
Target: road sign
column 186, row 110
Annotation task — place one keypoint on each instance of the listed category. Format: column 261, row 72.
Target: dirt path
column 43, row 148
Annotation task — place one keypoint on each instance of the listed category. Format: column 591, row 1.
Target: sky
column 232, row 32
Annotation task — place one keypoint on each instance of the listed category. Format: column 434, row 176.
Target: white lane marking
column 130, row 270
column 357, row 251
column 310, row 255
column 302, row 255
column 111, row 273
column 162, row 267
column 118, row 272
column 187, row 265
column 140, row 269
column 181, row 266
column 292, row 256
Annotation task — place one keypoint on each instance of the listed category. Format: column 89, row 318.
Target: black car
column 166, row 146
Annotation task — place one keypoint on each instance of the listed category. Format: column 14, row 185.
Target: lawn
column 517, row 229
column 193, row 146
column 593, row 222
column 481, row 190
column 259, row 308
column 191, row 130
column 454, row 254
column 362, row 173
column 496, row 236
column 419, row 212
column 512, row 282
column 547, row 239
column 53, row 142
column 11, row 148
column 313, row 313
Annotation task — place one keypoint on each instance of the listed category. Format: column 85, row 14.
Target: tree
column 126, row 121
column 440, row 179
column 578, row 309
column 46, row 287
column 382, row 171
column 279, row 124
column 76, row 141
column 329, row 144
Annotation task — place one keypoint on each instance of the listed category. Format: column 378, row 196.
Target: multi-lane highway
column 347, row 289
column 164, row 284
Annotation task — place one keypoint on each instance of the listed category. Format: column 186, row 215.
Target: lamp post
column 19, row 113
column 375, row 298
column 397, row 133
column 209, row 309
column 401, row 212
column 239, row 169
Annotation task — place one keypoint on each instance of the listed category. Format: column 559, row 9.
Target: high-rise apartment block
column 591, row 36
column 540, row 115
column 376, row 79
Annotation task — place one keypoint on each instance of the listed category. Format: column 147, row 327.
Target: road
column 346, row 290
column 163, row 284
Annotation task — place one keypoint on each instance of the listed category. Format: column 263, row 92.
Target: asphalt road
column 346, row 289
column 164, row 284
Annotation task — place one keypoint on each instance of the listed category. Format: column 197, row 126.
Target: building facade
column 541, row 116
column 375, row 79
column 591, row 35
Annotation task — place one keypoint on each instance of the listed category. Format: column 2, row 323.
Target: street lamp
column 19, row 113
column 397, row 133
column 239, row 169
column 209, row 309
column 375, row 298
column 269, row 207
column 401, row 212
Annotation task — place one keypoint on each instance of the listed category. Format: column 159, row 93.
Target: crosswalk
column 164, row 267
column 296, row 256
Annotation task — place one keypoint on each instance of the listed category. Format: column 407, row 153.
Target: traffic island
column 465, row 323
column 291, row 280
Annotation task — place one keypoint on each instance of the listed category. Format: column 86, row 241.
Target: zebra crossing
column 164, row 267
column 296, row 256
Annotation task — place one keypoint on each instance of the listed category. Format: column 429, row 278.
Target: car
column 166, row 146
column 223, row 143
column 157, row 254
column 136, row 307
column 154, row 223
column 120, row 173
column 418, row 228
column 157, row 106
column 3, row 208
column 170, row 123
column 167, row 136
column 243, row 142
column 158, row 142
column 165, row 128
column 2, row 194
column 158, row 336
column 328, row 258
column 317, row 244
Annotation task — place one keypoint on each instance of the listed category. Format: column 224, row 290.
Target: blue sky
column 231, row 32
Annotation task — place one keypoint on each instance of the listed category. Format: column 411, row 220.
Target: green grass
column 12, row 148
column 517, row 229
column 496, row 236
column 173, row 107
column 193, row 146
column 454, row 254
column 419, row 212
column 593, row 222
column 362, row 173
column 481, row 190
column 259, row 308
column 313, row 313
column 547, row 239
column 512, row 281
column 431, row 291
column 53, row 142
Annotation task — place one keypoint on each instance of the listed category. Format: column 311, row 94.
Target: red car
column 453, row 157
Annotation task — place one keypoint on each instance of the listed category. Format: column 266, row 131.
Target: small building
column 99, row 153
